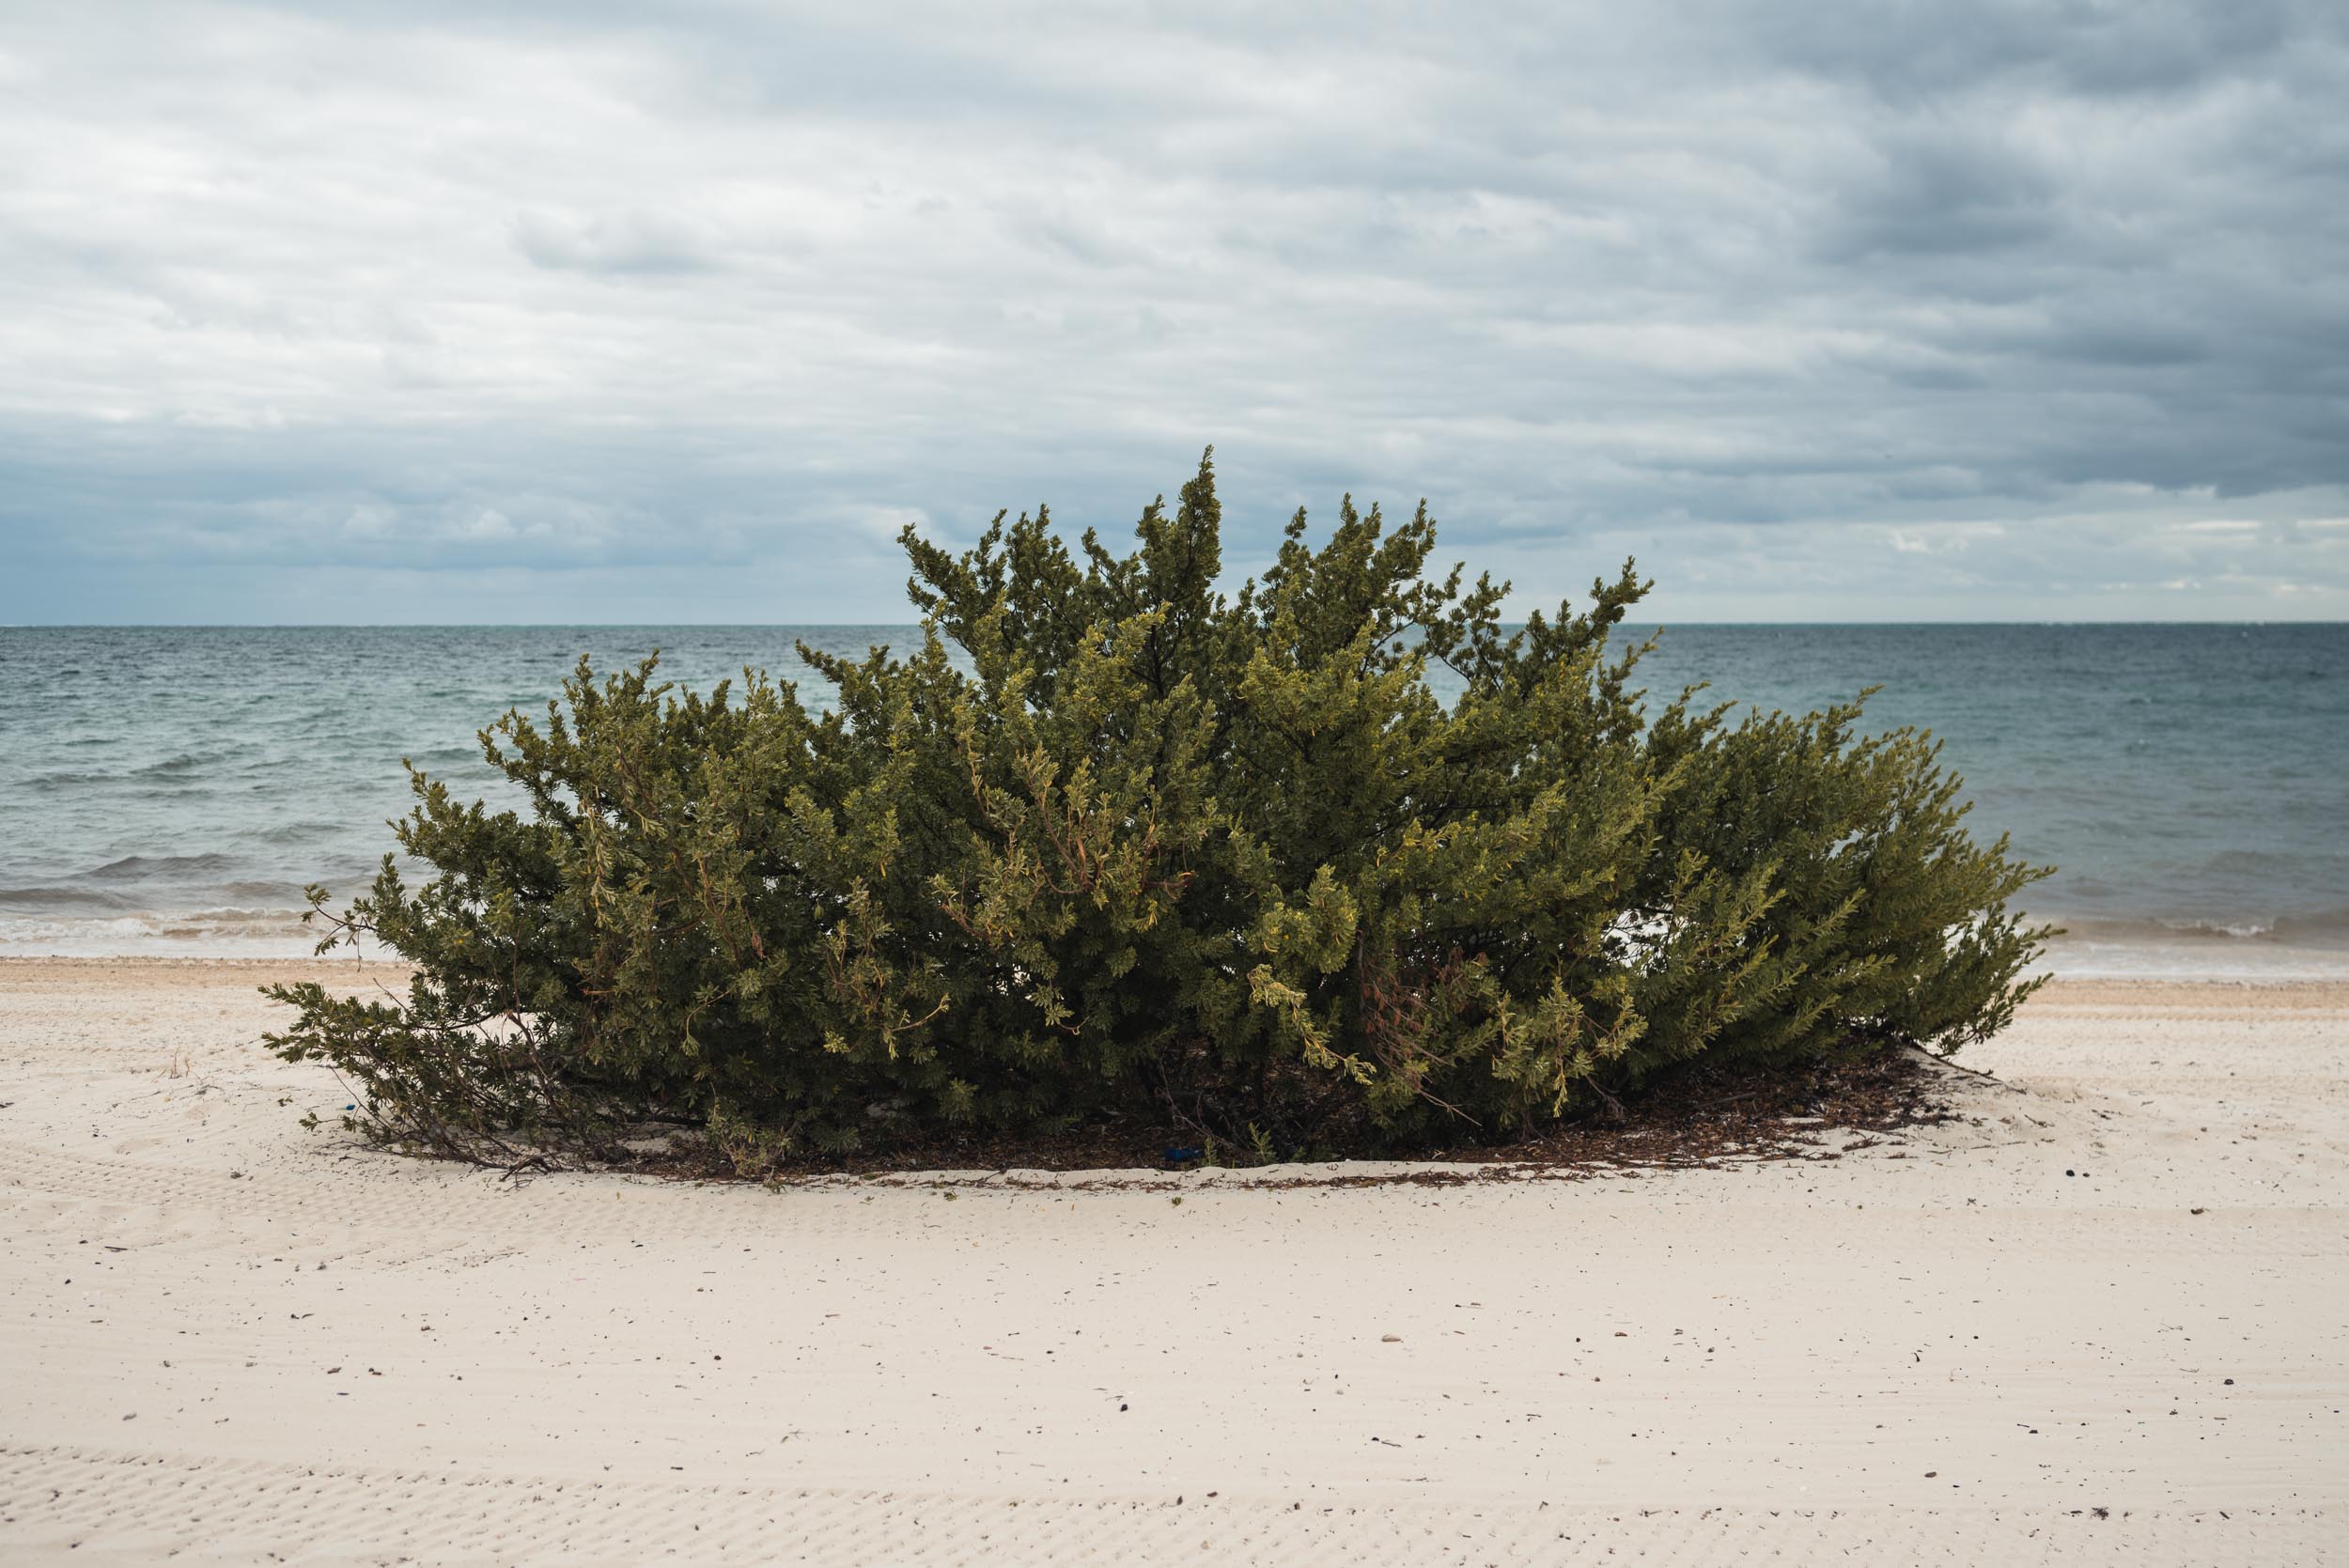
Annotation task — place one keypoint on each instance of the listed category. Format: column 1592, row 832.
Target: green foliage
column 1224, row 862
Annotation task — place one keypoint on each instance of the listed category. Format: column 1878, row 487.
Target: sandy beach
column 2097, row 1318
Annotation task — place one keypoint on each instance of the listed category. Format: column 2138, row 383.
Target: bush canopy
column 1228, row 863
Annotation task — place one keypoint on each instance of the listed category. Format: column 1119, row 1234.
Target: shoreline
column 2284, row 967
column 2185, row 955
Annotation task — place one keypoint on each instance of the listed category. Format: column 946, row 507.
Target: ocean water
column 172, row 789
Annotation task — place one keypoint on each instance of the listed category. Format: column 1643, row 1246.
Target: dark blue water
column 170, row 788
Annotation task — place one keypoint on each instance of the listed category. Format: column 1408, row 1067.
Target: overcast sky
column 393, row 313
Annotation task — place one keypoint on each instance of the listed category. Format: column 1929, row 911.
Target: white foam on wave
column 204, row 934
column 2191, row 957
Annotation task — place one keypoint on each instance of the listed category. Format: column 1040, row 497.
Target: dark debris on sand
column 1693, row 1119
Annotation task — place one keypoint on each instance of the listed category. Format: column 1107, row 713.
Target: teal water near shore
column 171, row 790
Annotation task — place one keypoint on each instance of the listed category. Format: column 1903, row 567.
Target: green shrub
column 1224, row 861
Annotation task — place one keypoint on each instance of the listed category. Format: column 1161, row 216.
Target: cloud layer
column 387, row 312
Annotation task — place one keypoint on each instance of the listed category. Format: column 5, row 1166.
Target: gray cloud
column 1910, row 49
column 625, row 242
column 418, row 312
column 1939, row 193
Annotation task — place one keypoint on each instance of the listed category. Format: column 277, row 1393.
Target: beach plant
column 1113, row 841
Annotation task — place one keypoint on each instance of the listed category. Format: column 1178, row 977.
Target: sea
column 172, row 789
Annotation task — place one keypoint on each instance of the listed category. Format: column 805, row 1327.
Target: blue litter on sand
column 1184, row 1157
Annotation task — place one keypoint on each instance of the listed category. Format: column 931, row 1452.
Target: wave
column 167, row 886
column 285, row 893
column 2245, row 929
column 148, row 868
column 253, row 933
column 185, row 764
column 302, row 832
column 2307, row 945
column 60, row 898
column 2306, row 928
column 2235, row 863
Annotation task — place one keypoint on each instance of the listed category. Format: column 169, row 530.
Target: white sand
column 226, row 1340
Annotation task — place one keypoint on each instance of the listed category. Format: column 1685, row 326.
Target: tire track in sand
column 122, row 1505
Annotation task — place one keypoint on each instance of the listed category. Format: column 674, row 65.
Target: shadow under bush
column 1225, row 863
